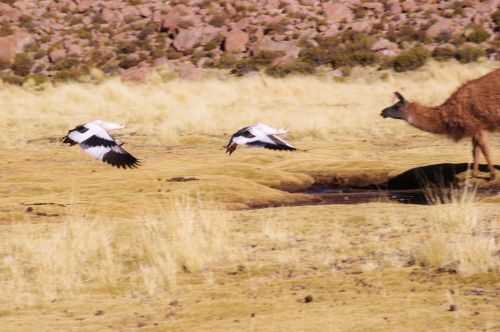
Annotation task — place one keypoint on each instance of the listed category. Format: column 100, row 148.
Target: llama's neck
column 425, row 118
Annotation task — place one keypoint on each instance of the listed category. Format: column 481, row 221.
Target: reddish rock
column 442, row 26
column 409, row 6
column 136, row 74
column 236, row 41
column 361, row 26
column 187, row 39
column 8, row 13
column 332, row 30
column 375, row 6
column 307, row 2
column 338, row 12
column 170, row 21
column 384, row 44
column 57, row 54
column 13, row 44
column 74, row 49
column 395, row 7
column 288, row 48
column 84, row 5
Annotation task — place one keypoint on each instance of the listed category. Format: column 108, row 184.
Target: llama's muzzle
column 392, row 112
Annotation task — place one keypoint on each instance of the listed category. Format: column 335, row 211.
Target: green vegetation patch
column 410, row 59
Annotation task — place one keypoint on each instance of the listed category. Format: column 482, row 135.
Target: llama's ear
column 400, row 97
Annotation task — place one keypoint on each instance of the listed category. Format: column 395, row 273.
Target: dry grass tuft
column 458, row 238
column 165, row 109
column 145, row 257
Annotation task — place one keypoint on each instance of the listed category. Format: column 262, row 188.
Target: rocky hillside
column 65, row 39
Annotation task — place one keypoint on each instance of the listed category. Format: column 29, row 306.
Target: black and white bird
column 94, row 139
column 259, row 135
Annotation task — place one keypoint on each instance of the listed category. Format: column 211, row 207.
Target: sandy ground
column 298, row 268
column 352, row 260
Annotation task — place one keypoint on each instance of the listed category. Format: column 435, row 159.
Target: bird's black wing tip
column 121, row 160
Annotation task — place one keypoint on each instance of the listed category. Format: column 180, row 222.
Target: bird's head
column 231, row 147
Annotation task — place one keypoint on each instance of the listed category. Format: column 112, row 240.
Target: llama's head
column 398, row 110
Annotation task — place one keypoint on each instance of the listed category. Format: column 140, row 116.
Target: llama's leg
column 475, row 157
column 483, row 145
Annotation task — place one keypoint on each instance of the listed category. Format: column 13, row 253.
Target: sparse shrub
column 226, row 61
column 276, row 27
column 407, row 33
column 215, row 43
column 495, row 17
column 468, row 54
column 37, row 79
column 218, row 20
column 410, row 59
column 443, row 37
column 265, row 57
column 148, row 30
column 67, row 75
column 126, row 48
column 5, row 29
column 477, row 35
column 347, row 49
column 143, row 257
column 243, row 68
column 458, row 8
column 129, row 62
column 173, row 54
column 295, row 67
column 98, row 19
column 22, row 64
column 443, row 53
column 26, row 22
column 66, row 63
column 12, row 79
column 456, row 241
column 84, row 33
column 75, row 20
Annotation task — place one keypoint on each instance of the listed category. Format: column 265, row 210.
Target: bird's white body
column 94, row 139
column 259, row 135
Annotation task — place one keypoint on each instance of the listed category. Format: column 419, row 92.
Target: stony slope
column 64, row 39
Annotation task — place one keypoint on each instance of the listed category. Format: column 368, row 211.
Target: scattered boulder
column 199, row 32
column 57, row 54
column 338, row 12
column 440, row 27
column 187, row 39
column 12, row 45
column 236, row 41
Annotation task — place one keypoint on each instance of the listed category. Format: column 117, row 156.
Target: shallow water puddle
column 406, row 196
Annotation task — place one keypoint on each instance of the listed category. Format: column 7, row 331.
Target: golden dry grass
column 84, row 246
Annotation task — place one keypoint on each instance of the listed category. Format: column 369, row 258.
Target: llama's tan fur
column 471, row 111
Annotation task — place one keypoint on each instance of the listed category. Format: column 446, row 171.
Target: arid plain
column 195, row 240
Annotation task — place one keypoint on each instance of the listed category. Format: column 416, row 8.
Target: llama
column 471, row 111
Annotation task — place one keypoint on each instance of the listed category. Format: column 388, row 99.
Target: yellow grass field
column 195, row 240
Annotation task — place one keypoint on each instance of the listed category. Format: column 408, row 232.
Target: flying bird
column 259, row 135
column 94, row 139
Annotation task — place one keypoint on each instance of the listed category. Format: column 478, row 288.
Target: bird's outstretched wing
column 96, row 141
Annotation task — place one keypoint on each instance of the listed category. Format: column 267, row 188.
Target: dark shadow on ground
column 441, row 175
column 420, row 185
